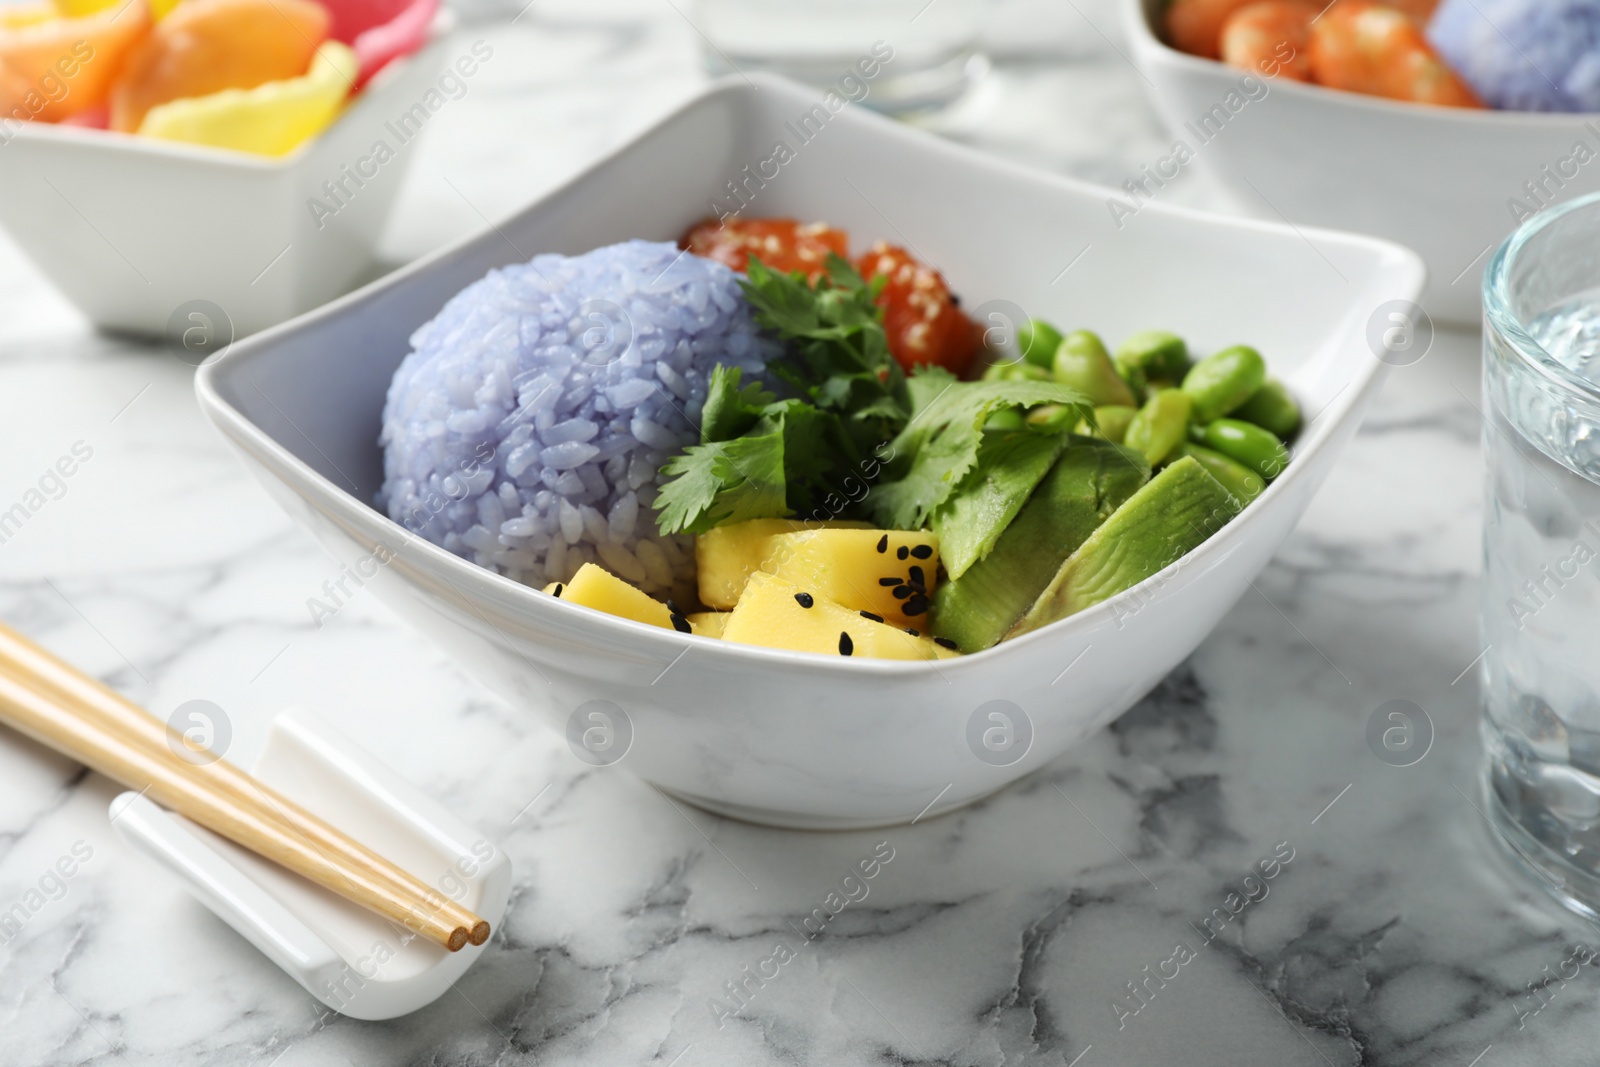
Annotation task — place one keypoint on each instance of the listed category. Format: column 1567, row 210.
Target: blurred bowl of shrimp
column 1386, row 140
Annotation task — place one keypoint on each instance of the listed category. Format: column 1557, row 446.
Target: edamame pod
column 1223, row 380
column 1157, row 353
column 1110, row 422
column 1081, row 361
column 1158, row 427
column 1037, row 340
column 1239, row 480
column 1006, row 419
column 1051, row 418
column 1271, row 408
column 1246, row 443
column 1015, row 370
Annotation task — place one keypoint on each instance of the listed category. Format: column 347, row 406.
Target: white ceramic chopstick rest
column 353, row 961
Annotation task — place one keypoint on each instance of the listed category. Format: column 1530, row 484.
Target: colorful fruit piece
column 920, row 315
column 726, row 557
column 13, row 16
column 774, row 613
column 1195, row 26
column 710, row 623
column 1161, row 523
column 888, row 573
column 1369, row 48
column 597, row 588
column 782, row 244
column 207, row 46
column 377, row 46
column 271, row 119
column 58, row 67
column 1271, row 37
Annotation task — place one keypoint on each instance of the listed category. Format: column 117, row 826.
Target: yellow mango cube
column 775, row 613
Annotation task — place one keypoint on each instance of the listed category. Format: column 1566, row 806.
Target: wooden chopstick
column 66, row 711
column 37, row 668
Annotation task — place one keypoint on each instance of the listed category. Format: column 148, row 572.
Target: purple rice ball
column 526, row 429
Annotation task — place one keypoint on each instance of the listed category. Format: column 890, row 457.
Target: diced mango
column 774, row 613
column 709, row 623
column 726, row 557
column 595, row 587
column 890, row 573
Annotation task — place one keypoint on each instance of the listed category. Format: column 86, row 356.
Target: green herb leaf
column 723, row 481
column 938, row 447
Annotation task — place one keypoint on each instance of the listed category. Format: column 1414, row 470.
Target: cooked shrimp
column 1271, row 37
column 1195, row 26
column 1370, row 48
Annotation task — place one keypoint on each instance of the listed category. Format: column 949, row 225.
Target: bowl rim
column 1148, row 42
column 463, row 575
column 443, row 25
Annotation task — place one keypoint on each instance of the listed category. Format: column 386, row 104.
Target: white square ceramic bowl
column 131, row 228
column 789, row 738
column 1443, row 181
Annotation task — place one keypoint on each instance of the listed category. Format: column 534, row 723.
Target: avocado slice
column 1165, row 520
column 1090, row 480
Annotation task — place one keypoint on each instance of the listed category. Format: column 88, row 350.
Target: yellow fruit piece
column 269, row 120
column 160, row 9
column 554, row 588
column 14, row 16
column 709, row 623
column 727, row 556
column 597, row 588
column 772, row 613
column 847, row 567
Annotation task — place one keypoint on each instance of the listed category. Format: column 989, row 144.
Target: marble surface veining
column 1111, row 909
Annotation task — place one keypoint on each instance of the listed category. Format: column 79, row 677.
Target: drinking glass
column 824, row 42
column 1541, row 588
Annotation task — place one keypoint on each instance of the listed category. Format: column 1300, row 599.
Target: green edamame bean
column 1246, row 443
column 1112, row 421
column 1051, row 418
column 1015, row 370
column 1157, row 353
column 1082, row 362
column 1006, row 419
column 1271, row 408
column 1244, row 483
column 1037, row 340
column 1158, row 427
column 1223, row 380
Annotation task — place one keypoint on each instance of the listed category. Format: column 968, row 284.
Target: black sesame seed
column 804, row 599
column 903, row 591
column 883, row 543
column 559, row 587
column 681, row 624
column 922, row 551
column 846, row 646
column 888, row 581
column 945, row 642
column 917, row 577
column 903, row 552
column 917, row 605
column 672, row 606
column 912, row 632
column 870, row 615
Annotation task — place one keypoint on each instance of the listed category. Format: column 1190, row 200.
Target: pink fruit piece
column 402, row 35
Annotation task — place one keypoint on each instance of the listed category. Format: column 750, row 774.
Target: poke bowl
column 1449, row 182
column 200, row 244
column 774, row 735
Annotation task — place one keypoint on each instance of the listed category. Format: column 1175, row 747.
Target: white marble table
column 1004, row 933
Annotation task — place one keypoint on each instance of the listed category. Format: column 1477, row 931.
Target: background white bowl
column 789, row 738
column 1440, row 180
column 131, row 228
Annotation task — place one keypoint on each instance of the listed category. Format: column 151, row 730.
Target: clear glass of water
column 1541, row 590
column 830, row 44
